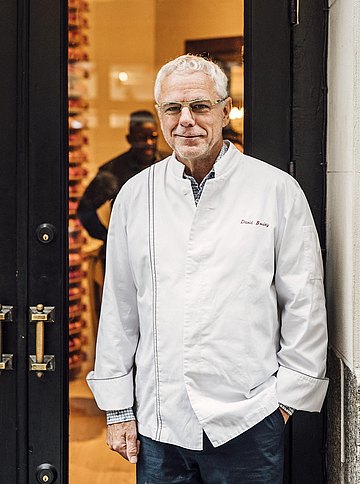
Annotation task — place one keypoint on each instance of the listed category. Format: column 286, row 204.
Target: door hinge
column 294, row 12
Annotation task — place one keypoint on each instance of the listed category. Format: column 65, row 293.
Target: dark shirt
column 105, row 186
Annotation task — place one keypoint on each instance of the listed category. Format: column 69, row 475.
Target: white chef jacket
column 211, row 314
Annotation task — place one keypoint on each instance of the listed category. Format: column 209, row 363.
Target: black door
column 33, row 252
column 285, row 125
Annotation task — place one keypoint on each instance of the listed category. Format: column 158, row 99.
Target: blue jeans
column 254, row 457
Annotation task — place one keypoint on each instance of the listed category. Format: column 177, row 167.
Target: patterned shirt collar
column 198, row 188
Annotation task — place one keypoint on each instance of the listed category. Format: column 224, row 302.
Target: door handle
column 40, row 315
column 6, row 359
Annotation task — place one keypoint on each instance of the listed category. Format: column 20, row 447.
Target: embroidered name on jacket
column 254, row 222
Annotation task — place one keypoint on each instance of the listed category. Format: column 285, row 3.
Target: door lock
column 40, row 315
column 6, row 359
column 46, row 474
column 45, row 233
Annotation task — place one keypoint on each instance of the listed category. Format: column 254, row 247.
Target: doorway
column 114, row 54
column 33, row 187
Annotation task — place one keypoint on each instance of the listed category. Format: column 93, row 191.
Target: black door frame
column 33, row 187
column 285, row 125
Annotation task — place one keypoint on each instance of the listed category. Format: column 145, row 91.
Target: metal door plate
column 46, row 315
column 6, row 313
column 6, row 362
column 48, row 365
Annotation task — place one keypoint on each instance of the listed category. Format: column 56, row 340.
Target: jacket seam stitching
column 304, row 374
column 152, row 254
column 110, row 378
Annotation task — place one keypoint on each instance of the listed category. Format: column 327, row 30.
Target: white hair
column 193, row 63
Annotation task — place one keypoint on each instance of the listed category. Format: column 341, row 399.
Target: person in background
column 142, row 137
column 213, row 323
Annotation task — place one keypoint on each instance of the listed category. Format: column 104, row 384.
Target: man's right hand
column 122, row 438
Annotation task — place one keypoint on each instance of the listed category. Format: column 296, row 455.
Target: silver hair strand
column 193, row 63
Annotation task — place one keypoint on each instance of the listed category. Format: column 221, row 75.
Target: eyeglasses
column 197, row 106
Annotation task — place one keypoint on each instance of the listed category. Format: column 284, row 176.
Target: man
column 111, row 177
column 213, row 321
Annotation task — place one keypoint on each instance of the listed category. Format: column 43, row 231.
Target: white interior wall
column 343, row 257
column 194, row 19
column 122, row 38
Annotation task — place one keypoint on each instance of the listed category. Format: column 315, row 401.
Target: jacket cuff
column 301, row 391
column 114, row 392
column 119, row 416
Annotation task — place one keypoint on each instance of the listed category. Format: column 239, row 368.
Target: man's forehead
column 187, row 86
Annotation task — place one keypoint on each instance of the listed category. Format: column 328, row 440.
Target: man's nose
column 186, row 117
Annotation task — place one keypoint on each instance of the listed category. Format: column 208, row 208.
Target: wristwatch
column 289, row 410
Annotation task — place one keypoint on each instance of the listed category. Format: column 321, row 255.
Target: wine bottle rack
column 78, row 159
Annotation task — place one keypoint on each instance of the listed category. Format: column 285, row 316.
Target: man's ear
column 227, row 109
column 129, row 139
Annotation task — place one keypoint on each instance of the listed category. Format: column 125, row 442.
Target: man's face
column 143, row 140
column 193, row 136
